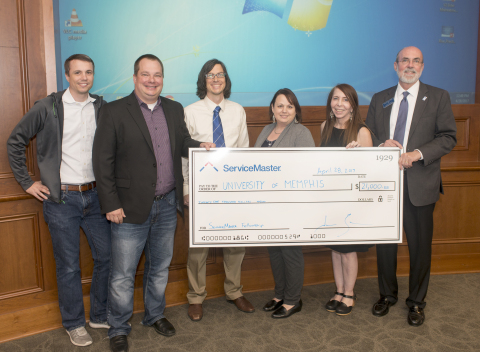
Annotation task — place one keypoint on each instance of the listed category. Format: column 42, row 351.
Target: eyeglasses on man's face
column 406, row 61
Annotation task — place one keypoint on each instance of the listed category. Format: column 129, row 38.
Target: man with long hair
column 216, row 119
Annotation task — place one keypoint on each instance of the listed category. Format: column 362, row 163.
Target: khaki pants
column 197, row 273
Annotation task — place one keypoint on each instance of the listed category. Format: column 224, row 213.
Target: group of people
column 115, row 170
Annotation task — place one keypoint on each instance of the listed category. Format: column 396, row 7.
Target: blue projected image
column 306, row 45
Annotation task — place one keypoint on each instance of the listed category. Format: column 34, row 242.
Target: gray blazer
column 294, row 135
column 433, row 132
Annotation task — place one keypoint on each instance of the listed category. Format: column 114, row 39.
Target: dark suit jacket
column 124, row 161
column 433, row 132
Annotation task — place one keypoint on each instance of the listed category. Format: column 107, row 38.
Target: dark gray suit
column 433, row 132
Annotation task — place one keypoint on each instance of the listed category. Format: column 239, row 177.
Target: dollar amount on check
column 294, row 196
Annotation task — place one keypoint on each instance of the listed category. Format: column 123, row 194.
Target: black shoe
column 416, row 316
column 333, row 303
column 282, row 312
column 164, row 327
column 343, row 309
column 119, row 343
column 380, row 308
column 272, row 305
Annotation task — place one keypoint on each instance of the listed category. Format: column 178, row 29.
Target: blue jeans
column 155, row 236
column 79, row 209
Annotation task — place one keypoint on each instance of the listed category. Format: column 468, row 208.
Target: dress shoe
column 380, row 308
column 164, row 327
column 119, row 343
column 282, row 312
column 272, row 305
column 333, row 303
column 343, row 309
column 242, row 304
column 195, row 312
column 416, row 316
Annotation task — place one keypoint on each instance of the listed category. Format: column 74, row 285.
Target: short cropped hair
column 136, row 65
column 81, row 57
column 202, row 80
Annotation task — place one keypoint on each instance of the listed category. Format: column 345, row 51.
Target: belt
column 161, row 196
column 79, row 188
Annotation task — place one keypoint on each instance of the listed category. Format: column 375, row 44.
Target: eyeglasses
column 218, row 75
column 406, row 61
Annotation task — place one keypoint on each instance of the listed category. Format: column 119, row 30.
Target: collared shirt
column 79, row 127
column 412, row 100
column 199, row 121
column 158, row 128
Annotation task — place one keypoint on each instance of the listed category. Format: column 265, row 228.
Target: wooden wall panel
column 35, row 53
column 8, row 20
column 86, row 260
column 462, row 224
column 10, row 101
column 28, row 282
column 20, row 277
column 468, row 135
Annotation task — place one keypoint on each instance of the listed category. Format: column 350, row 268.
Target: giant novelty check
column 294, row 196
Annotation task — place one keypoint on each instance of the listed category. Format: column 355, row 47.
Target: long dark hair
column 202, row 80
column 353, row 125
column 292, row 99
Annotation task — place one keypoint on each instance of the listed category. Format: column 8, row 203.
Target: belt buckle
column 81, row 186
column 160, row 197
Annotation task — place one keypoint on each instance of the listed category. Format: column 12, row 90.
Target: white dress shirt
column 412, row 100
column 78, row 131
column 199, row 120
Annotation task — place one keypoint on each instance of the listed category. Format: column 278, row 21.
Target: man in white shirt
column 223, row 122
column 418, row 119
column 65, row 123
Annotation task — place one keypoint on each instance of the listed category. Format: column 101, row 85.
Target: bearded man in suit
column 418, row 119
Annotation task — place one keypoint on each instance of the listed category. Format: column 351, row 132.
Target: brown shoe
column 195, row 312
column 243, row 304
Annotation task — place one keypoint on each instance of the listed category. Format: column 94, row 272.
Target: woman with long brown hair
column 344, row 127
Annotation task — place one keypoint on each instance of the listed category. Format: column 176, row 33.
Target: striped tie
column 218, row 129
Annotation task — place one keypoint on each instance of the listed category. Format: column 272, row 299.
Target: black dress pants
column 287, row 267
column 418, row 226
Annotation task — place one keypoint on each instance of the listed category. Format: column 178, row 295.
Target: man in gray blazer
column 417, row 118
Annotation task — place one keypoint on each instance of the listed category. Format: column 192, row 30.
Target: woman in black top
column 344, row 127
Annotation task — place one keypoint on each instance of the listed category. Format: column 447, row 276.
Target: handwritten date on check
column 248, row 197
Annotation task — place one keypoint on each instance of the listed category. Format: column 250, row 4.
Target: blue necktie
column 399, row 133
column 218, row 129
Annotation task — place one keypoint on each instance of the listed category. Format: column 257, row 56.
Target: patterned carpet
column 451, row 325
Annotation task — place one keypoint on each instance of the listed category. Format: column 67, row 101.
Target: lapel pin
column 388, row 103
column 424, row 98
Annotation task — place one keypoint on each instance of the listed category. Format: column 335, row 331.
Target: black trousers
column 287, row 267
column 418, row 226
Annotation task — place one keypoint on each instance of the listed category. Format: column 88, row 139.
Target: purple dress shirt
column 157, row 126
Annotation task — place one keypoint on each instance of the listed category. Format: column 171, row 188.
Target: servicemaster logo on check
column 208, row 164
column 252, row 168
